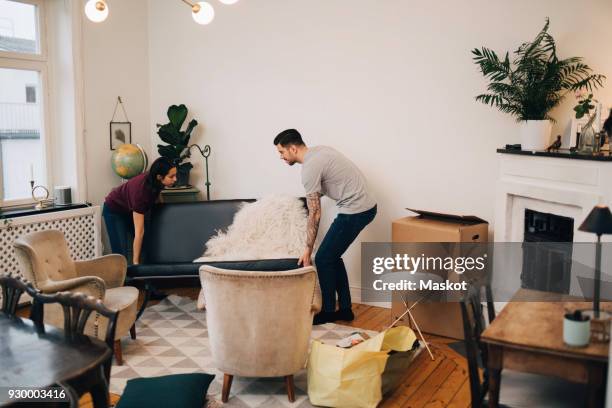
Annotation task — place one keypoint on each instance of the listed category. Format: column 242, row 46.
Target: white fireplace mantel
column 562, row 186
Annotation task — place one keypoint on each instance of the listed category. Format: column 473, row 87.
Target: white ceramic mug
column 576, row 333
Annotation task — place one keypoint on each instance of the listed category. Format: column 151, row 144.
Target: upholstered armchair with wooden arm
column 45, row 261
column 259, row 323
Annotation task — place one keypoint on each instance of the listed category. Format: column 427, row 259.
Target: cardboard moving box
column 443, row 319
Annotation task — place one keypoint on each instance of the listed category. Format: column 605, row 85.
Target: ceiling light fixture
column 202, row 12
column 96, row 10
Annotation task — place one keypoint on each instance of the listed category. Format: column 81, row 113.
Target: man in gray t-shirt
column 325, row 171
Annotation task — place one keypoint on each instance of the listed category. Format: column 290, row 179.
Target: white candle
column 31, row 172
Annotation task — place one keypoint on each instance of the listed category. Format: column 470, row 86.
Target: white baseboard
column 356, row 292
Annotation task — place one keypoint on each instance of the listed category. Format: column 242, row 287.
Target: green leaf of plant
column 535, row 81
column 187, row 134
column 179, row 148
column 167, row 151
column 177, row 115
column 169, row 134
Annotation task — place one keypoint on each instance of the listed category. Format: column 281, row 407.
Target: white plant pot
column 535, row 134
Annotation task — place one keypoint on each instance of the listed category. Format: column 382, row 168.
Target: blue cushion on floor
column 169, row 391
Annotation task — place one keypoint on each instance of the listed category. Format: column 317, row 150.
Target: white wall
column 116, row 63
column 391, row 84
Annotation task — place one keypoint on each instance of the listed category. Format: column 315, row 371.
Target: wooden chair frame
column 13, row 286
column 473, row 326
column 77, row 308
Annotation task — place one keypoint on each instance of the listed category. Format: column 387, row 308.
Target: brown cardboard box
column 443, row 319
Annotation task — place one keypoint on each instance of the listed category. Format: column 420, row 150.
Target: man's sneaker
column 324, row 317
column 345, row 315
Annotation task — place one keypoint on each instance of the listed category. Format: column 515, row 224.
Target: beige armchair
column 259, row 323
column 45, row 261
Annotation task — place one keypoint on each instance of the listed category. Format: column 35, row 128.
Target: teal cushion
column 169, row 391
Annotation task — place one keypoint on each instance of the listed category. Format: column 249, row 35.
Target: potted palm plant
column 177, row 141
column 532, row 84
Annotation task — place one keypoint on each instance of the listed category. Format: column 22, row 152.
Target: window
column 7, row 28
column 19, row 27
column 30, row 93
column 23, row 68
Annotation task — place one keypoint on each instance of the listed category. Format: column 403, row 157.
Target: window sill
column 30, row 210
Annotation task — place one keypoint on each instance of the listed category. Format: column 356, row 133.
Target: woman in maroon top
column 125, row 206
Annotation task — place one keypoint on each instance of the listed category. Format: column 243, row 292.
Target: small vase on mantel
column 535, row 134
column 586, row 144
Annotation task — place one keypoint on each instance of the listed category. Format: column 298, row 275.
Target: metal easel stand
column 408, row 312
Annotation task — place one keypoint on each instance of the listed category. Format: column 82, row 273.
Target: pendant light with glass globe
column 96, row 10
column 202, row 11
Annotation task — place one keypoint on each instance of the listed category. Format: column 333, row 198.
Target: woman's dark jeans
column 330, row 267
column 120, row 229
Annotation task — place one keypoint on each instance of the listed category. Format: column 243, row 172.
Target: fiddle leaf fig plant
column 176, row 139
column 535, row 81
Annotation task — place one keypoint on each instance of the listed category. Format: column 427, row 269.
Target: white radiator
column 81, row 227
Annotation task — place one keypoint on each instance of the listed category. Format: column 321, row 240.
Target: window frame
column 39, row 63
column 42, row 34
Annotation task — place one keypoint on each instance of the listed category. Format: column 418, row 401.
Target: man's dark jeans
column 330, row 267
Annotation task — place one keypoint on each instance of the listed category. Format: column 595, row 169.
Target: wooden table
column 32, row 359
column 527, row 336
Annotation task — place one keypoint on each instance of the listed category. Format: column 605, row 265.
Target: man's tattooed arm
column 314, row 216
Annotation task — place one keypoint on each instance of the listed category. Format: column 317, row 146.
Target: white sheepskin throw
column 273, row 227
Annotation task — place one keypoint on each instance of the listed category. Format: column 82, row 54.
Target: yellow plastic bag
column 351, row 377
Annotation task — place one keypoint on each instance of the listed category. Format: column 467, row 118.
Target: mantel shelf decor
column 532, row 83
column 603, row 156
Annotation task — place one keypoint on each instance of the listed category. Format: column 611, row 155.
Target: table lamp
column 599, row 221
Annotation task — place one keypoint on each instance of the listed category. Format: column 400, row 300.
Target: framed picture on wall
column 120, row 133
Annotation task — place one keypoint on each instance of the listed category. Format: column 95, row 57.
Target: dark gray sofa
column 175, row 236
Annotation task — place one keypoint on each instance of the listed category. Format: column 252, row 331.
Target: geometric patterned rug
column 172, row 338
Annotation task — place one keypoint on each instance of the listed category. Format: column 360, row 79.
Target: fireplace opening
column 547, row 252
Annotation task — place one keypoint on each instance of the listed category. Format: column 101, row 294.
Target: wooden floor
column 439, row 383
column 442, row 382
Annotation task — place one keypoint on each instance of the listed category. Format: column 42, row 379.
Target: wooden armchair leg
column 290, row 388
column 227, row 385
column 133, row 331
column 117, row 351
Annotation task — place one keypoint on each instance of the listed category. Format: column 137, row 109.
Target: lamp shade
column 204, row 13
column 96, row 10
column 599, row 221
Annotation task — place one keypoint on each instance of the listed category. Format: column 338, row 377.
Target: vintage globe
column 129, row 160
